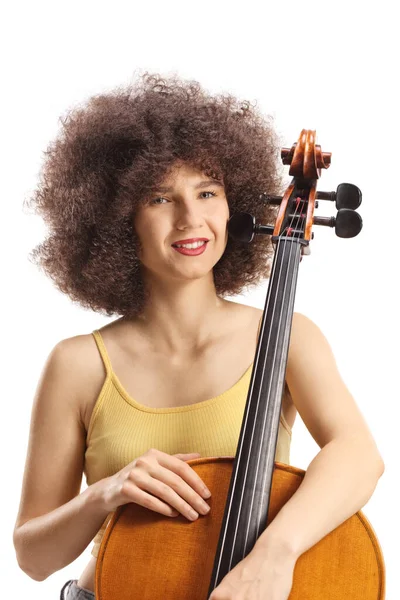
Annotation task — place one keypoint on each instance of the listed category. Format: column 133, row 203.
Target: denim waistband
column 72, row 591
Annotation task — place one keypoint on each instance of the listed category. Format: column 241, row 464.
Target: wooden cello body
column 159, row 558
column 145, row 555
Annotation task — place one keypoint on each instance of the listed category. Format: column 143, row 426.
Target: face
column 187, row 204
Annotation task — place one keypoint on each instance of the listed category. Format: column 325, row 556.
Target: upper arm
column 318, row 391
column 56, row 446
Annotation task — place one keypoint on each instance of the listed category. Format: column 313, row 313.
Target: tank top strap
column 103, row 352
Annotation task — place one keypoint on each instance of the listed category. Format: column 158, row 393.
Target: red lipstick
column 191, row 251
column 191, row 241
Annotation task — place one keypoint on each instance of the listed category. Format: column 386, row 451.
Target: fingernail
column 206, row 492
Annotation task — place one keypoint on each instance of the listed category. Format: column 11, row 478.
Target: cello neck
column 248, row 498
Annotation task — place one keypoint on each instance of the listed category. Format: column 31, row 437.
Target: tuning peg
column 347, row 195
column 242, row 227
column 268, row 199
column 276, row 200
column 347, row 223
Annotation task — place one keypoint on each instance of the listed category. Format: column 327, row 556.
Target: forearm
column 50, row 542
column 338, row 482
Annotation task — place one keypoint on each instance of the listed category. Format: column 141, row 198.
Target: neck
column 182, row 316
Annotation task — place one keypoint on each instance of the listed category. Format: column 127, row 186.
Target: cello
column 147, row 556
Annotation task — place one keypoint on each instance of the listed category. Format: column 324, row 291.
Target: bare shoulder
column 245, row 314
column 299, row 319
column 300, row 323
column 84, row 370
column 319, row 393
column 57, row 435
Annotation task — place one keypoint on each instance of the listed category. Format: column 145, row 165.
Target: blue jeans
column 71, row 591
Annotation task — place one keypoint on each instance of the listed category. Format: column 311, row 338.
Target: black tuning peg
column 347, row 195
column 242, row 227
column 347, row 223
column 268, row 199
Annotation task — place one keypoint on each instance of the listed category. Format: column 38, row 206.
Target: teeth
column 194, row 245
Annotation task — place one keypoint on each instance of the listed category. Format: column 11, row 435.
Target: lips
column 190, row 241
column 191, row 251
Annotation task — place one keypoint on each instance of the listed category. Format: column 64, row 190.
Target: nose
column 189, row 216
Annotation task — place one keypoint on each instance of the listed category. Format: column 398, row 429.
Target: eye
column 155, row 200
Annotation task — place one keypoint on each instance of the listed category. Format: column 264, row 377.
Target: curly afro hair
column 108, row 156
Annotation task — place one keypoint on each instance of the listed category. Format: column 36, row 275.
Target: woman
column 139, row 180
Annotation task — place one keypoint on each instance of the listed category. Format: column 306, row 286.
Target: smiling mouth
column 191, row 246
column 192, row 250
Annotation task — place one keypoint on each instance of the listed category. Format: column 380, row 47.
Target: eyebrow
column 196, row 187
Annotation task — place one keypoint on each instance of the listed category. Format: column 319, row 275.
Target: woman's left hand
column 257, row 577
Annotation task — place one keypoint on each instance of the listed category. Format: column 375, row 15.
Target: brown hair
column 109, row 154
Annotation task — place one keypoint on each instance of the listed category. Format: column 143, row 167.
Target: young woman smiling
column 136, row 174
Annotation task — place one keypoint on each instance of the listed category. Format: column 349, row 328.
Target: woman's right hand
column 158, row 481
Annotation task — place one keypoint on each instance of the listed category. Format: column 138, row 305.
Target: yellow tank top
column 121, row 429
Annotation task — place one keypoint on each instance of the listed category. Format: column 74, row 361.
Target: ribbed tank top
column 121, row 429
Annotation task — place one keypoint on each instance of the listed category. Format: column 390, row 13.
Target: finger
column 184, row 471
column 182, row 494
column 140, row 497
column 186, row 501
column 187, row 456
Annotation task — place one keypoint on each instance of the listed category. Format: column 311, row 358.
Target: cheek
column 151, row 233
column 220, row 215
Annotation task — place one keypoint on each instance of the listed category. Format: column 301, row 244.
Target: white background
column 332, row 67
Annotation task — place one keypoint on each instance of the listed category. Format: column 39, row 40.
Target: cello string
column 258, row 399
column 291, row 246
column 246, row 416
column 287, row 331
column 239, row 451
